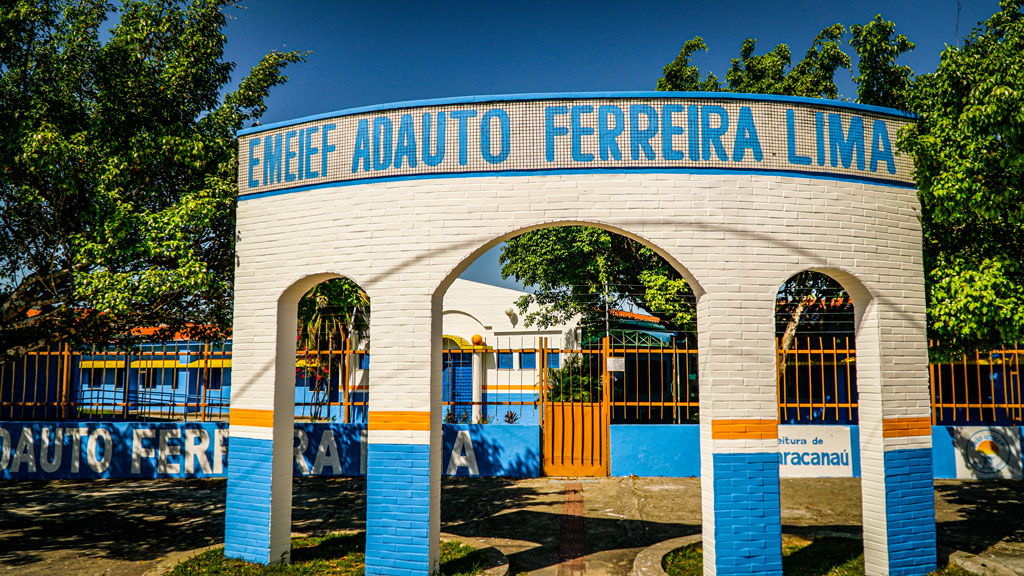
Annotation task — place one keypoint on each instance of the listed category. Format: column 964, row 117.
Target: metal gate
column 576, row 412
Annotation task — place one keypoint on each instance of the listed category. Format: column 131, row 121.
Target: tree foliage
column 880, row 81
column 812, row 77
column 118, row 168
column 576, row 380
column 570, row 266
column 968, row 149
column 682, row 75
column 333, row 315
column 332, row 312
column 769, row 73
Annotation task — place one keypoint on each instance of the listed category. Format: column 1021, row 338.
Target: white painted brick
column 739, row 236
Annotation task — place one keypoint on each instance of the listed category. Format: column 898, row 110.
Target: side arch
column 259, row 491
column 894, row 431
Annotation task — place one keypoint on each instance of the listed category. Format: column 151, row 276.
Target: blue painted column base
column 910, row 512
column 247, row 506
column 398, row 510
column 748, row 523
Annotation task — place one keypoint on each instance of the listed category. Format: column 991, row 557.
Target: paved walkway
column 546, row 526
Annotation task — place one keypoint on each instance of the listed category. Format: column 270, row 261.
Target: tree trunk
column 789, row 335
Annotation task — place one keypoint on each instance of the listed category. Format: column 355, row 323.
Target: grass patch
column 822, row 557
column 684, row 561
column 334, row 555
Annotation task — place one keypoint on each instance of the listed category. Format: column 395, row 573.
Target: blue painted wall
column 655, row 450
column 330, row 449
column 500, row 449
column 943, row 452
column 111, row 450
column 158, row 450
column 673, row 450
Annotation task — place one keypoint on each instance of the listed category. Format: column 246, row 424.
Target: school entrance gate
column 737, row 192
column 575, row 423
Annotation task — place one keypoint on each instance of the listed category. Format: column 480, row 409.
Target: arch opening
column 816, row 359
column 330, row 382
column 332, row 353
column 599, row 331
column 817, row 314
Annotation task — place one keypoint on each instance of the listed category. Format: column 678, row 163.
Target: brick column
column 895, row 438
column 403, row 464
column 257, row 523
column 742, row 529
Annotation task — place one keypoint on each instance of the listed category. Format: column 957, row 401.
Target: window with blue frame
column 504, row 360
column 528, row 360
column 553, row 360
column 364, row 361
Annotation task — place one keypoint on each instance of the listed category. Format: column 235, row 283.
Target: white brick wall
column 737, row 237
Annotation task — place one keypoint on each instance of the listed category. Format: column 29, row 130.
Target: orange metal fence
column 817, row 380
column 653, row 383
column 165, row 381
column 650, row 382
column 981, row 388
column 332, row 385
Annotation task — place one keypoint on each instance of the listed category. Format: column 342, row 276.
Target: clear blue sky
column 374, row 52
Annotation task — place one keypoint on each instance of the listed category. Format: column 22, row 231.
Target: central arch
column 471, row 254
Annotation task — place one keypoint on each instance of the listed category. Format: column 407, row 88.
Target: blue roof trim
column 569, row 171
column 578, row 95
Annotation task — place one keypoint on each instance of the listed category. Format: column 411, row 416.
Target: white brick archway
column 736, row 230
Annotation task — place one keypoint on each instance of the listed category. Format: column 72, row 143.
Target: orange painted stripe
column 398, row 420
column 250, row 417
column 904, row 427
column 745, row 429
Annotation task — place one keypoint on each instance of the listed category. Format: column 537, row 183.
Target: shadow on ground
column 531, row 513
column 137, row 522
column 142, row 520
column 976, row 514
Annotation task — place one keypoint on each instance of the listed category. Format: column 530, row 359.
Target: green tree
column 332, row 314
column 968, row 149
column 682, row 75
column 812, row 77
column 880, row 81
column 118, row 168
column 571, row 266
column 809, row 299
column 769, row 73
column 575, row 381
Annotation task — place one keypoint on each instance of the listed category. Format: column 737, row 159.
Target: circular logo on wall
column 987, row 451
